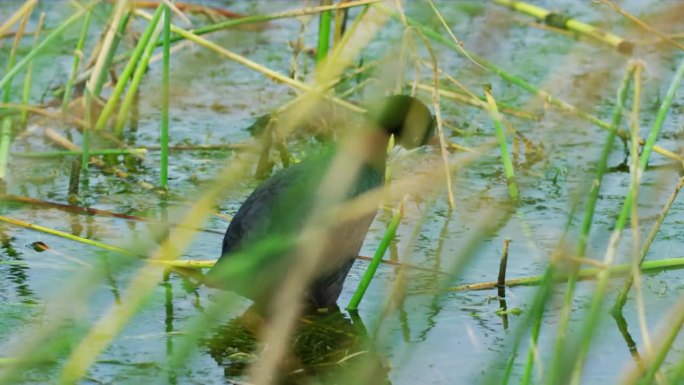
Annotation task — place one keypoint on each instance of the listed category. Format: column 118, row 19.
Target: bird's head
column 405, row 117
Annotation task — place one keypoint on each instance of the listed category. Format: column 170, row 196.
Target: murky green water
column 451, row 340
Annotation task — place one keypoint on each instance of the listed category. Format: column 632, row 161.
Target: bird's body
column 279, row 209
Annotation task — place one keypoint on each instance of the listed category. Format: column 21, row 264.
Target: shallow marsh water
column 453, row 339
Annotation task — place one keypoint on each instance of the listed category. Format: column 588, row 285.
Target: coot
column 262, row 232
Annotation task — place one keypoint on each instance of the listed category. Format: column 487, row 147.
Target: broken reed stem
column 501, row 280
column 74, row 181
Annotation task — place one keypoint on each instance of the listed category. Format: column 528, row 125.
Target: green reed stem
column 377, row 257
column 164, row 134
column 594, row 312
column 29, row 75
column 78, row 53
column 594, row 190
column 59, row 154
column 324, row 19
column 503, row 146
column 140, row 70
column 128, row 70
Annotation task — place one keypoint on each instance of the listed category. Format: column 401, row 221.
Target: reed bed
column 131, row 131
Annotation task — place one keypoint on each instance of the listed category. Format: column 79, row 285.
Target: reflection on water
column 16, row 270
column 330, row 348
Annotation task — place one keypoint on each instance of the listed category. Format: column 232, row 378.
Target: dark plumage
column 264, row 228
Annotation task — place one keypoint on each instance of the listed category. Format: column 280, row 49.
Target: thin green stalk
column 108, row 109
column 324, row 19
column 377, row 257
column 58, row 154
column 77, row 60
column 49, row 39
column 29, row 74
column 503, row 146
column 164, row 134
column 594, row 190
column 594, row 312
column 140, row 70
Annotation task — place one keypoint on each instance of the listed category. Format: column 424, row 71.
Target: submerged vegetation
column 538, row 241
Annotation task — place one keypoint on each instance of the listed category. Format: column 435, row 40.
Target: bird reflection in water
column 328, row 348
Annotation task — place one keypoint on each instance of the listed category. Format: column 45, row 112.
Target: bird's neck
column 372, row 149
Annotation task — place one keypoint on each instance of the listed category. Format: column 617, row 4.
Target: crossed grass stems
column 565, row 365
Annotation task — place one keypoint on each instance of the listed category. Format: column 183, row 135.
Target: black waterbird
column 263, row 231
